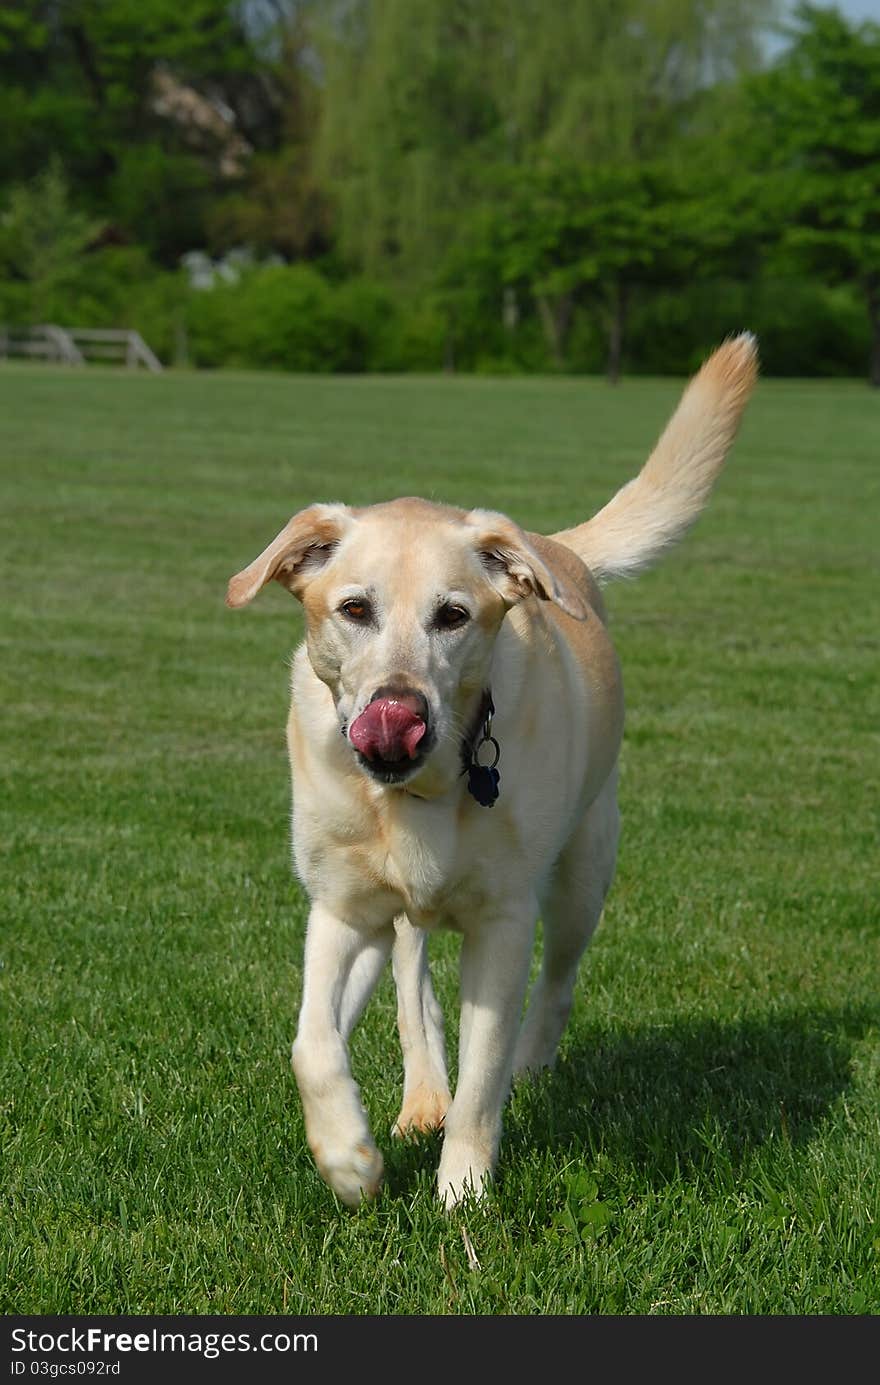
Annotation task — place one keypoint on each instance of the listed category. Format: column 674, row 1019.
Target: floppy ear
column 302, row 548
column 517, row 570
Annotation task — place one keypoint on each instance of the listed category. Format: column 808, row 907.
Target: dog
column 454, row 730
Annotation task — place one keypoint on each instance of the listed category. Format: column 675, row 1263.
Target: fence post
column 66, row 349
column 140, row 351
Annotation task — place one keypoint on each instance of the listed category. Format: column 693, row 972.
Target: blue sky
column 861, row 9
column 857, row 9
column 854, row 10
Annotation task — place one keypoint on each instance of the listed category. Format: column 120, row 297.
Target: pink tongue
column 387, row 730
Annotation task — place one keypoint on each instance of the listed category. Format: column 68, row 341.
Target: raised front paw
column 354, row 1172
column 423, row 1109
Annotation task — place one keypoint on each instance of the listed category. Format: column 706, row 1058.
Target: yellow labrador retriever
column 432, row 789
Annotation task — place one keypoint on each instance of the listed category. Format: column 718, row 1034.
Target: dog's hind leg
column 361, row 981
column 570, row 907
column 426, row 1095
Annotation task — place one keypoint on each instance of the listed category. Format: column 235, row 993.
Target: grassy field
column 710, row 1140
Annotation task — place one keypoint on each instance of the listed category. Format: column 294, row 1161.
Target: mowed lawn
column 710, row 1139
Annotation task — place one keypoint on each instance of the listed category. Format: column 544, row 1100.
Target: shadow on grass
column 411, row 1165
column 675, row 1099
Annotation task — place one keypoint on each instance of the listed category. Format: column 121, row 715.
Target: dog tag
column 483, row 784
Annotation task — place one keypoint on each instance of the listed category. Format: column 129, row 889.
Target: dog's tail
column 652, row 511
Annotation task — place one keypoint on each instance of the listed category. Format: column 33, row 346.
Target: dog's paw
column 538, row 1041
column 531, row 1067
column 353, row 1172
column 464, row 1175
column 423, row 1110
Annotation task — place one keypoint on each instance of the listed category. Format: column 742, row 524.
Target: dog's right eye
column 357, row 610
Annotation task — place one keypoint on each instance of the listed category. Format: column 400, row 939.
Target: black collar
column 483, row 716
column 482, row 779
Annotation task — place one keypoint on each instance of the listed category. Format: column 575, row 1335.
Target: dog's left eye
column 450, row 617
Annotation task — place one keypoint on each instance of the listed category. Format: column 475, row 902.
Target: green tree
column 120, row 88
column 817, row 135
column 616, row 80
column 593, row 237
column 283, row 206
column 42, row 241
column 407, row 124
column 424, row 98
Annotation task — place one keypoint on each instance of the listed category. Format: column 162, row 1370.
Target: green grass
column 709, row 1142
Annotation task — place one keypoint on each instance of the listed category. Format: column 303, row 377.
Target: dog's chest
column 432, row 875
column 412, row 860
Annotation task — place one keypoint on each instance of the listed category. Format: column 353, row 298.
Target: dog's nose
column 411, row 698
column 393, row 727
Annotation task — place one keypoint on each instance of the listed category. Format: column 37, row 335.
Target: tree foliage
column 423, row 97
column 42, row 236
column 596, row 236
column 145, row 102
column 504, row 184
column 817, row 123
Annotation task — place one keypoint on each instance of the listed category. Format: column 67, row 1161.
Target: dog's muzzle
column 392, row 732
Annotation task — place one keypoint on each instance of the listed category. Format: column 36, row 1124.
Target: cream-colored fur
column 385, row 863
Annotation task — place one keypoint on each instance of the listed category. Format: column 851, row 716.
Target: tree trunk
column 872, row 289
column 616, row 329
column 509, row 309
column 449, row 350
column 181, row 339
column 85, row 56
column 556, row 319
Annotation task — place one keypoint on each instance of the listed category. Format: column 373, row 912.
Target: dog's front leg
column 495, row 958
column 342, row 966
column 426, row 1096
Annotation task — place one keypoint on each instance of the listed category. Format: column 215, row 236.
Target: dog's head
column 403, row 603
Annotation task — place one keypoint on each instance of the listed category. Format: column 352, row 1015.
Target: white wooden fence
column 78, row 345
